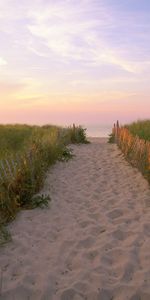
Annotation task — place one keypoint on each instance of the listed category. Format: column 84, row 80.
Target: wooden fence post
column 116, row 131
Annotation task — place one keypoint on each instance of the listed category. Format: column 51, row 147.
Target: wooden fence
column 136, row 150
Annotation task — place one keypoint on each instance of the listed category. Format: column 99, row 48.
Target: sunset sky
column 84, row 61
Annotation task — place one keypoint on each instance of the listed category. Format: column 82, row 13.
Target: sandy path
column 92, row 243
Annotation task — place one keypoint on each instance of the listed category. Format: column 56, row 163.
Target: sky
column 84, row 61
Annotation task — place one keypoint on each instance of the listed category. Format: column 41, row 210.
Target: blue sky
column 81, row 61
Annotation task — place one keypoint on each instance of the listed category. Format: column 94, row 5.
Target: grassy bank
column 140, row 128
column 134, row 141
column 25, row 156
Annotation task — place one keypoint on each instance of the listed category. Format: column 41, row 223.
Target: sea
column 98, row 130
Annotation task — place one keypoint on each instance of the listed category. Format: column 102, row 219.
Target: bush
column 76, row 134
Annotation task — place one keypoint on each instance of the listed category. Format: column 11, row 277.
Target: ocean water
column 98, row 130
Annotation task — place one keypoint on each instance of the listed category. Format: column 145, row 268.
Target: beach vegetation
column 140, row 128
column 134, row 141
column 26, row 154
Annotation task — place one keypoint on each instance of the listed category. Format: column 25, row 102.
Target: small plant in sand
column 76, row 135
column 66, row 154
column 39, row 201
column 111, row 139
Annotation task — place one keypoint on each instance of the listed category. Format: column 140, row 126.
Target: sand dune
column 92, row 243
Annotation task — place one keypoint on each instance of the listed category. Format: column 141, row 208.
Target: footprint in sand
column 94, row 216
column 128, row 272
column 19, row 292
column 102, row 294
column 93, row 209
column 146, row 227
column 85, row 224
column 116, row 213
column 120, row 235
column 71, row 294
column 86, row 243
column 140, row 296
column 106, row 260
column 97, row 230
column 92, row 255
column 115, row 256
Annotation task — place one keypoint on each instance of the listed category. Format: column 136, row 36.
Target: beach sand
column 92, row 243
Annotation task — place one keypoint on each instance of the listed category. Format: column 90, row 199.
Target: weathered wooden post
column 74, row 132
column 116, row 127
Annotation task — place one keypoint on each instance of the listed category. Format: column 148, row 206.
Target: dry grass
column 26, row 154
column 135, row 149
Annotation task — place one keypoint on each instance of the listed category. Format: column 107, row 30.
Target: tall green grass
column 14, row 138
column 26, row 154
column 141, row 129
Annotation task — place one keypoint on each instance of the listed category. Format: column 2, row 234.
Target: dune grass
column 14, row 138
column 25, row 156
column 140, row 128
column 134, row 141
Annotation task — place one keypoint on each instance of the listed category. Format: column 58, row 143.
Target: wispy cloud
column 73, row 32
column 69, row 52
column 80, row 33
column 67, row 31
